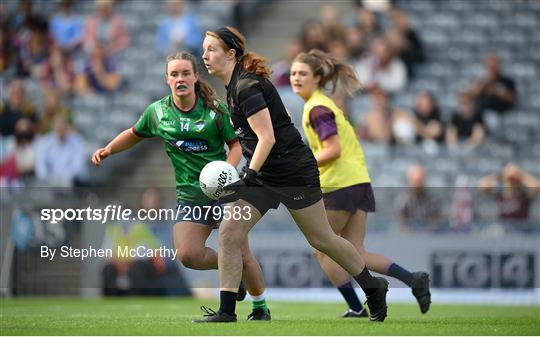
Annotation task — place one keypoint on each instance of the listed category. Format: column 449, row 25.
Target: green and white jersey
column 192, row 139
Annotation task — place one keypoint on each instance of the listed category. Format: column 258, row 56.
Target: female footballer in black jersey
column 280, row 169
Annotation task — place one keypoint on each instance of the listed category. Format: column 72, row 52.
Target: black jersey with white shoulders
column 248, row 93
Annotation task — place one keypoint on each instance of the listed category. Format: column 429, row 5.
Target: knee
column 190, row 258
column 230, row 235
column 320, row 244
column 318, row 255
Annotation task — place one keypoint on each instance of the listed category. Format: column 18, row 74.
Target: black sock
column 400, row 273
column 227, row 302
column 367, row 282
column 348, row 293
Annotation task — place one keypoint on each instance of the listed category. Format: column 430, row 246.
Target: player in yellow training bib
column 348, row 195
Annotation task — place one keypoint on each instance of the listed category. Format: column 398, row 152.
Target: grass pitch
column 142, row 316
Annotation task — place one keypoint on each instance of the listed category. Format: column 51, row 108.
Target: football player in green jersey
column 195, row 128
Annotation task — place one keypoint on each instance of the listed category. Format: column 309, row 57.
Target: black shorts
column 298, row 189
column 351, row 199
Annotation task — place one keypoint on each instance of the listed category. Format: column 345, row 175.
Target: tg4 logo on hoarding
column 483, row 269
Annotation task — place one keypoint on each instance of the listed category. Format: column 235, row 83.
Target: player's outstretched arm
column 125, row 140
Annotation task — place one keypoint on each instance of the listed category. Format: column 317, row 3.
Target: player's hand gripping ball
column 215, row 176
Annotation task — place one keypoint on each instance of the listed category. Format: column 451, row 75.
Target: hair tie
column 230, row 40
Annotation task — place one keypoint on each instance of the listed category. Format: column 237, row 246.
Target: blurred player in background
column 280, row 169
column 348, row 195
column 195, row 128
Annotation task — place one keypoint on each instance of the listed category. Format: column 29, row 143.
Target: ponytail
column 331, row 70
column 254, row 63
column 208, row 95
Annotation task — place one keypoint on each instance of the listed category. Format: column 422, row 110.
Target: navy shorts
column 209, row 214
column 351, row 199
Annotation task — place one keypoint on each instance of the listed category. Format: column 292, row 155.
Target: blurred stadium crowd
column 450, row 101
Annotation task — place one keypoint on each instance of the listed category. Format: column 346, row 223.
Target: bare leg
column 355, row 232
column 337, row 275
column 352, row 228
column 313, row 222
column 232, row 236
column 190, row 243
column 252, row 273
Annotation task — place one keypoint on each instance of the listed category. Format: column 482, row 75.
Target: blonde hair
column 330, row 70
column 250, row 61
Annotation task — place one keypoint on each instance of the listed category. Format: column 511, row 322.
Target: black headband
column 230, row 40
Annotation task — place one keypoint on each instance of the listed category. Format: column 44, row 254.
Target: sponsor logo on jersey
column 190, row 145
column 168, row 123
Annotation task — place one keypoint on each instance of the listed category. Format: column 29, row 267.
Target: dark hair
column 250, row 61
column 202, row 88
column 330, row 70
column 435, row 111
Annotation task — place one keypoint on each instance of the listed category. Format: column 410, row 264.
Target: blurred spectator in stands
column 280, row 69
column 381, row 68
column 19, row 163
column 16, row 32
column 105, row 28
column 18, row 20
column 368, row 24
column 355, row 43
column 52, row 107
column 15, row 108
column 58, row 72
column 338, row 49
column 376, row 126
column 6, row 50
column 312, row 36
column 494, row 91
column 418, row 209
column 405, row 41
column 429, row 127
column 466, row 126
column 461, row 218
column 67, row 29
column 144, row 275
column 514, row 190
column 60, row 157
column 331, row 22
column 33, row 48
column 180, row 30
column 385, row 124
column 403, row 127
column 97, row 74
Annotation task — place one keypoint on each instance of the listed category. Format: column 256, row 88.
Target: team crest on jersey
column 190, row 145
column 199, row 125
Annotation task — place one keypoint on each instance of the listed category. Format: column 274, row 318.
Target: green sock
column 261, row 304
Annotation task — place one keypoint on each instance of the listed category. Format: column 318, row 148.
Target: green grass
column 137, row 316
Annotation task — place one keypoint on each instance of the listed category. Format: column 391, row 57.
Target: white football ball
column 216, row 175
